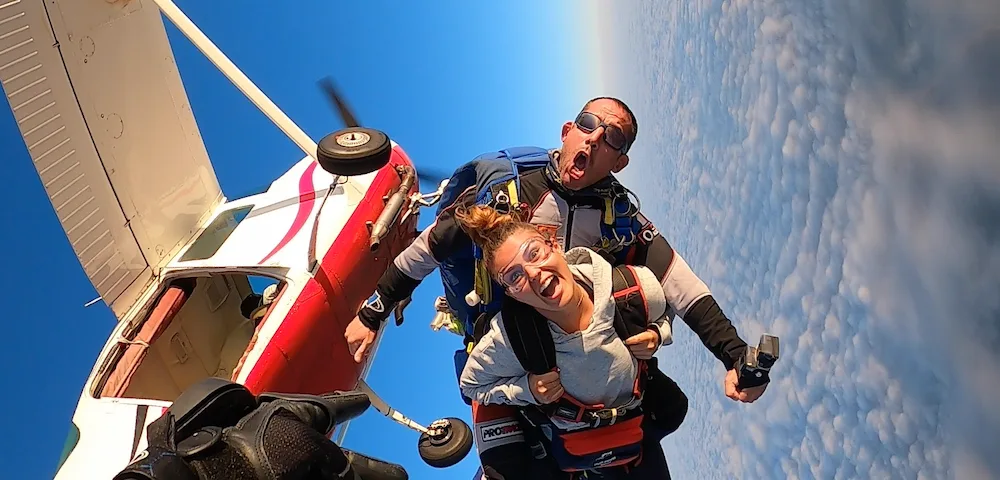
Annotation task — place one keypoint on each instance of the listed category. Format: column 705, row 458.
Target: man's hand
column 747, row 395
column 359, row 338
column 643, row 345
column 546, row 387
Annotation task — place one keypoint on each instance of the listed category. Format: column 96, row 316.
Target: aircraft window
column 216, row 234
column 200, row 327
column 72, row 439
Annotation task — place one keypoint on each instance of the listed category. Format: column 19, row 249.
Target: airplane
column 257, row 290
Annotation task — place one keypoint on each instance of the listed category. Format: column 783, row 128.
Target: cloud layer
column 830, row 169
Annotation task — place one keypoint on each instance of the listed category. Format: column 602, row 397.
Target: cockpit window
column 71, row 441
column 216, row 234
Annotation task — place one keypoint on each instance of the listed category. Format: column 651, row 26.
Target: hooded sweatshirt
column 595, row 365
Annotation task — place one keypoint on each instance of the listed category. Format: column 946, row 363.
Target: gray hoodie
column 595, row 365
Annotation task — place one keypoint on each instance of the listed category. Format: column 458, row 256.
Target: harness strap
column 529, row 336
column 526, row 157
column 572, row 410
column 483, row 284
column 631, row 307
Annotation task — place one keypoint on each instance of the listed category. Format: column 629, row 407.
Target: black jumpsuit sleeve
column 425, row 254
column 687, row 295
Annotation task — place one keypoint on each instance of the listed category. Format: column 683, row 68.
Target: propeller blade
column 432, row 175
column 338, row 102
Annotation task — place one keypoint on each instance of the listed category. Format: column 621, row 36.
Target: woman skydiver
column 588, row 404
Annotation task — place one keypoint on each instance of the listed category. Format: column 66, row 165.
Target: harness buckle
column 623, row 241
column 619, row 217
column 620, row 193
column 610, row 416
column 569, row 412
column 502, row 203
column 617, row 190
column 594, row 417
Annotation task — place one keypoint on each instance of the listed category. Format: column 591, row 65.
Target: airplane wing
column 104, row 115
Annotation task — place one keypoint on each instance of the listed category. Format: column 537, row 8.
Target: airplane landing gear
column 353, row 151
column 442, row 443
column 445, row 443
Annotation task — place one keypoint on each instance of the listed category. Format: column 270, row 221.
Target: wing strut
column 239, row 79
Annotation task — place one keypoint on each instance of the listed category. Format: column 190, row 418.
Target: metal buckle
column 619, row 242
column 618, row 190
column 623, row 241
column 621, row 193
column 502, row 203
column 563, row 412
column 605, row 417
column 418, row 199
column 611, row 416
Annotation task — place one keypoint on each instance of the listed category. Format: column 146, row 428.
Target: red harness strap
column 573, row 410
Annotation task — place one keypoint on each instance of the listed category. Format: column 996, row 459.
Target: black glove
column 218, row 430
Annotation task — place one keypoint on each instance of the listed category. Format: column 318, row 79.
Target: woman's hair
column 489, row 228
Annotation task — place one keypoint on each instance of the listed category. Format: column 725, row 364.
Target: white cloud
column 831, row 172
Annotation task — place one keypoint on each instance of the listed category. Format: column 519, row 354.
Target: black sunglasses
column 613, row 136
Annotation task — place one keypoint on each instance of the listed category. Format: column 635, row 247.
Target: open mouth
column 550, row 288
column 579, row 166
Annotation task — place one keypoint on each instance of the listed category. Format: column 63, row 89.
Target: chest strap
column 594, row 416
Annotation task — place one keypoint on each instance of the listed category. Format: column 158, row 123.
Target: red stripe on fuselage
column 307, row 196
column 308, row 352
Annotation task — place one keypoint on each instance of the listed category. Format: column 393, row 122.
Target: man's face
column 586, row 158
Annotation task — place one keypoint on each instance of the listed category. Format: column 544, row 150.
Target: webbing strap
column 572, row 410
column 529, row 336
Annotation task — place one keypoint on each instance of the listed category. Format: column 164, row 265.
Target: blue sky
column 447, row 81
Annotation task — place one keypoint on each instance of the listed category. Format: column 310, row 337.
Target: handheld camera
column 754, row 366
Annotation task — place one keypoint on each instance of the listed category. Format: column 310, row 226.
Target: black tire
column 353, row 151
column 449, row 450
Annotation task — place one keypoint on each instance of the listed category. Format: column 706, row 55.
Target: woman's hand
column 643, row 345
column 545, row 387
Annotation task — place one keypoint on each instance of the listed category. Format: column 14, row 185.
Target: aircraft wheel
column 449, row 448
column 353, row 151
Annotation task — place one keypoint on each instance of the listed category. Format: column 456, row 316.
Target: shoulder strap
column 529, row 336
column 523, row 159
column 631, row 311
